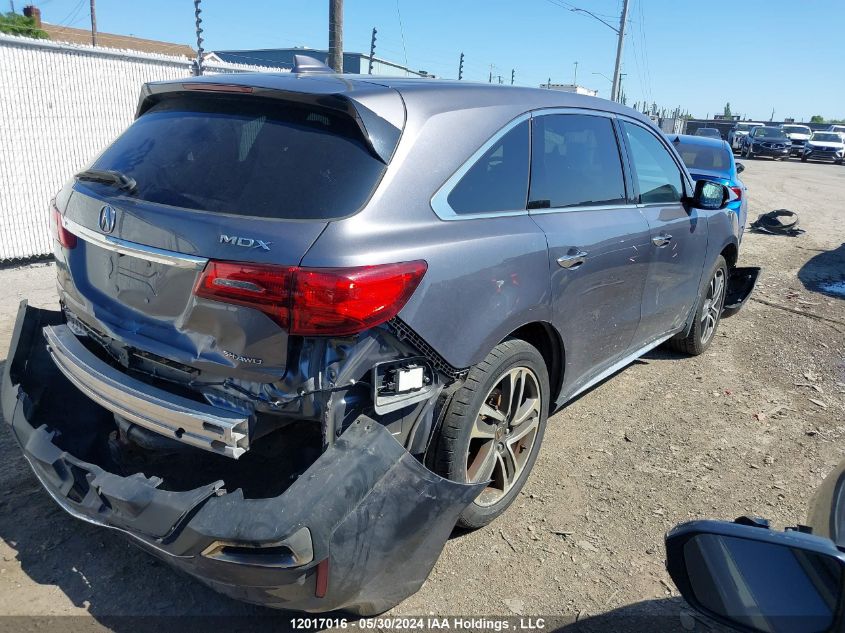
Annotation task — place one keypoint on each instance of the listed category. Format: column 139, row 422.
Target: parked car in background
column 798, row 136
column 840, row 129
column 309, row 321
column 709, row 132
column 711, row 159
column 765, row 140
column 738, row 132
column 825, row 146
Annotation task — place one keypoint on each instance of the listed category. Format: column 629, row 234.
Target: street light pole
column 614, row 93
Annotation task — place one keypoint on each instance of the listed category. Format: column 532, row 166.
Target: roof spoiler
column 379, row 114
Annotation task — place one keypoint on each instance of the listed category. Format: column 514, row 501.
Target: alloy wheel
column 712, row 306
column 504, row 433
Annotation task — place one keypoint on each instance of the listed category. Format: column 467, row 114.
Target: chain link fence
column 60, row 105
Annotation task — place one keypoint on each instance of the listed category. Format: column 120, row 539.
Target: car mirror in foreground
column 710, row 195
column 758, row 580
column 740, row 168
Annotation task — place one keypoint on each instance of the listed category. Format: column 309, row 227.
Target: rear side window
column 251, row 157
column 498, row 181
column 575, row 161
column 656, row 173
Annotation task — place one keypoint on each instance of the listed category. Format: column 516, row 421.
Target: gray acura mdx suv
column 309, row 322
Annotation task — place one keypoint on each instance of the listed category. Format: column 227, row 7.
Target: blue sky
column 760, row 55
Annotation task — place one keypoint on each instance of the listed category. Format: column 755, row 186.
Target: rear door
column 219, row 177
column 598, row 239
column 678, row 233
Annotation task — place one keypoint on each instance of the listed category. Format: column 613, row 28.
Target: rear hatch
column 221, row 172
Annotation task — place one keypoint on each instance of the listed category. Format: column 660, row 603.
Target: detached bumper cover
column 367, row 514
column 741, row 284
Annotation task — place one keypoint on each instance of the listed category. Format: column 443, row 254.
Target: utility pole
column 336, row 35
column 549, row 84
column 614, row 96
column 372, row 51
column 93, row 24
column 513, row 75
column 200, row 40
column 575, row 76
column 12, row 5
column 461, row 68
column 490, row 78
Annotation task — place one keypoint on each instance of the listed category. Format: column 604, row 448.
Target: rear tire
column 708, row 313
column 494, row 426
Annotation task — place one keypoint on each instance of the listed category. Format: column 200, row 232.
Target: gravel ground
column 750, row 427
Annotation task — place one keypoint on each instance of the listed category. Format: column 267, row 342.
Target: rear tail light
column 738, row 192
column 62, row 235
column 315, row 301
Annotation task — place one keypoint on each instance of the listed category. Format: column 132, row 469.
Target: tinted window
column 575, row 161
column 657, row 175
column 498, row 181
column 249, row 156
column 704, row 156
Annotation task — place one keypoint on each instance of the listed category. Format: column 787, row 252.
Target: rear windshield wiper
column 109, row 177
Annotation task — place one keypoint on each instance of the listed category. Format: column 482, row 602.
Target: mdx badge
column 245, row 242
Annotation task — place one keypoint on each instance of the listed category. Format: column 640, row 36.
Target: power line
column 402, row 33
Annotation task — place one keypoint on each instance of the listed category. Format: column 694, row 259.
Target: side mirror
column 757, row 580
column 710, row 195
column 740, row 168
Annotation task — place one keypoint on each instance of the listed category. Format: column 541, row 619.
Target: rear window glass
column 704, row 157
column 251, row 157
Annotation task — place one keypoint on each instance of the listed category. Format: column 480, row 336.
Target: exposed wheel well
column 731, row 254
column 544, row 337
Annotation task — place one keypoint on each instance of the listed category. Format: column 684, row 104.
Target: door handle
column 661, row 240
column 570, row 262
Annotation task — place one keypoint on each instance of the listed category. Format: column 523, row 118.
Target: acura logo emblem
column 108, row 216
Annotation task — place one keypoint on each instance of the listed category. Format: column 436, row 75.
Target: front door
column 678, row 235
column 598, row 240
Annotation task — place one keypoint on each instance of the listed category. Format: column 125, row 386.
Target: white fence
column 60, row 105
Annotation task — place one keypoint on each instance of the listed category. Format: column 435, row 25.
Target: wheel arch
column 731, row 254
column 547, row 340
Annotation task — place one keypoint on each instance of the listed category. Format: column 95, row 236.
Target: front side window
column 575, row 162
column 498, row 181
column 656, row 173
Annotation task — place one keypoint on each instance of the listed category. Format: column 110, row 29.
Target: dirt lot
column 751, row 427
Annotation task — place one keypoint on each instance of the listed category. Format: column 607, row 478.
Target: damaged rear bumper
column 359, row 530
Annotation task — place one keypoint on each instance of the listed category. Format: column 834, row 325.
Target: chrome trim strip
column 440, row 200
column 584, row 207
column 201, row 425
column 620, row 364
column 150, row 253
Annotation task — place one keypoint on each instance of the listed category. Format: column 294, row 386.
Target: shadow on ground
column 825, row 273
column 669, row 615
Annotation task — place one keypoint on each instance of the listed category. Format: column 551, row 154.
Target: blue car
column 712, row 159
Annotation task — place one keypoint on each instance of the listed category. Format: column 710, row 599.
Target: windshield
column 796, row 129
column 704, row 157
column 770, row 132
column 252, row 157
column 827, row 137
column 743, row 127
